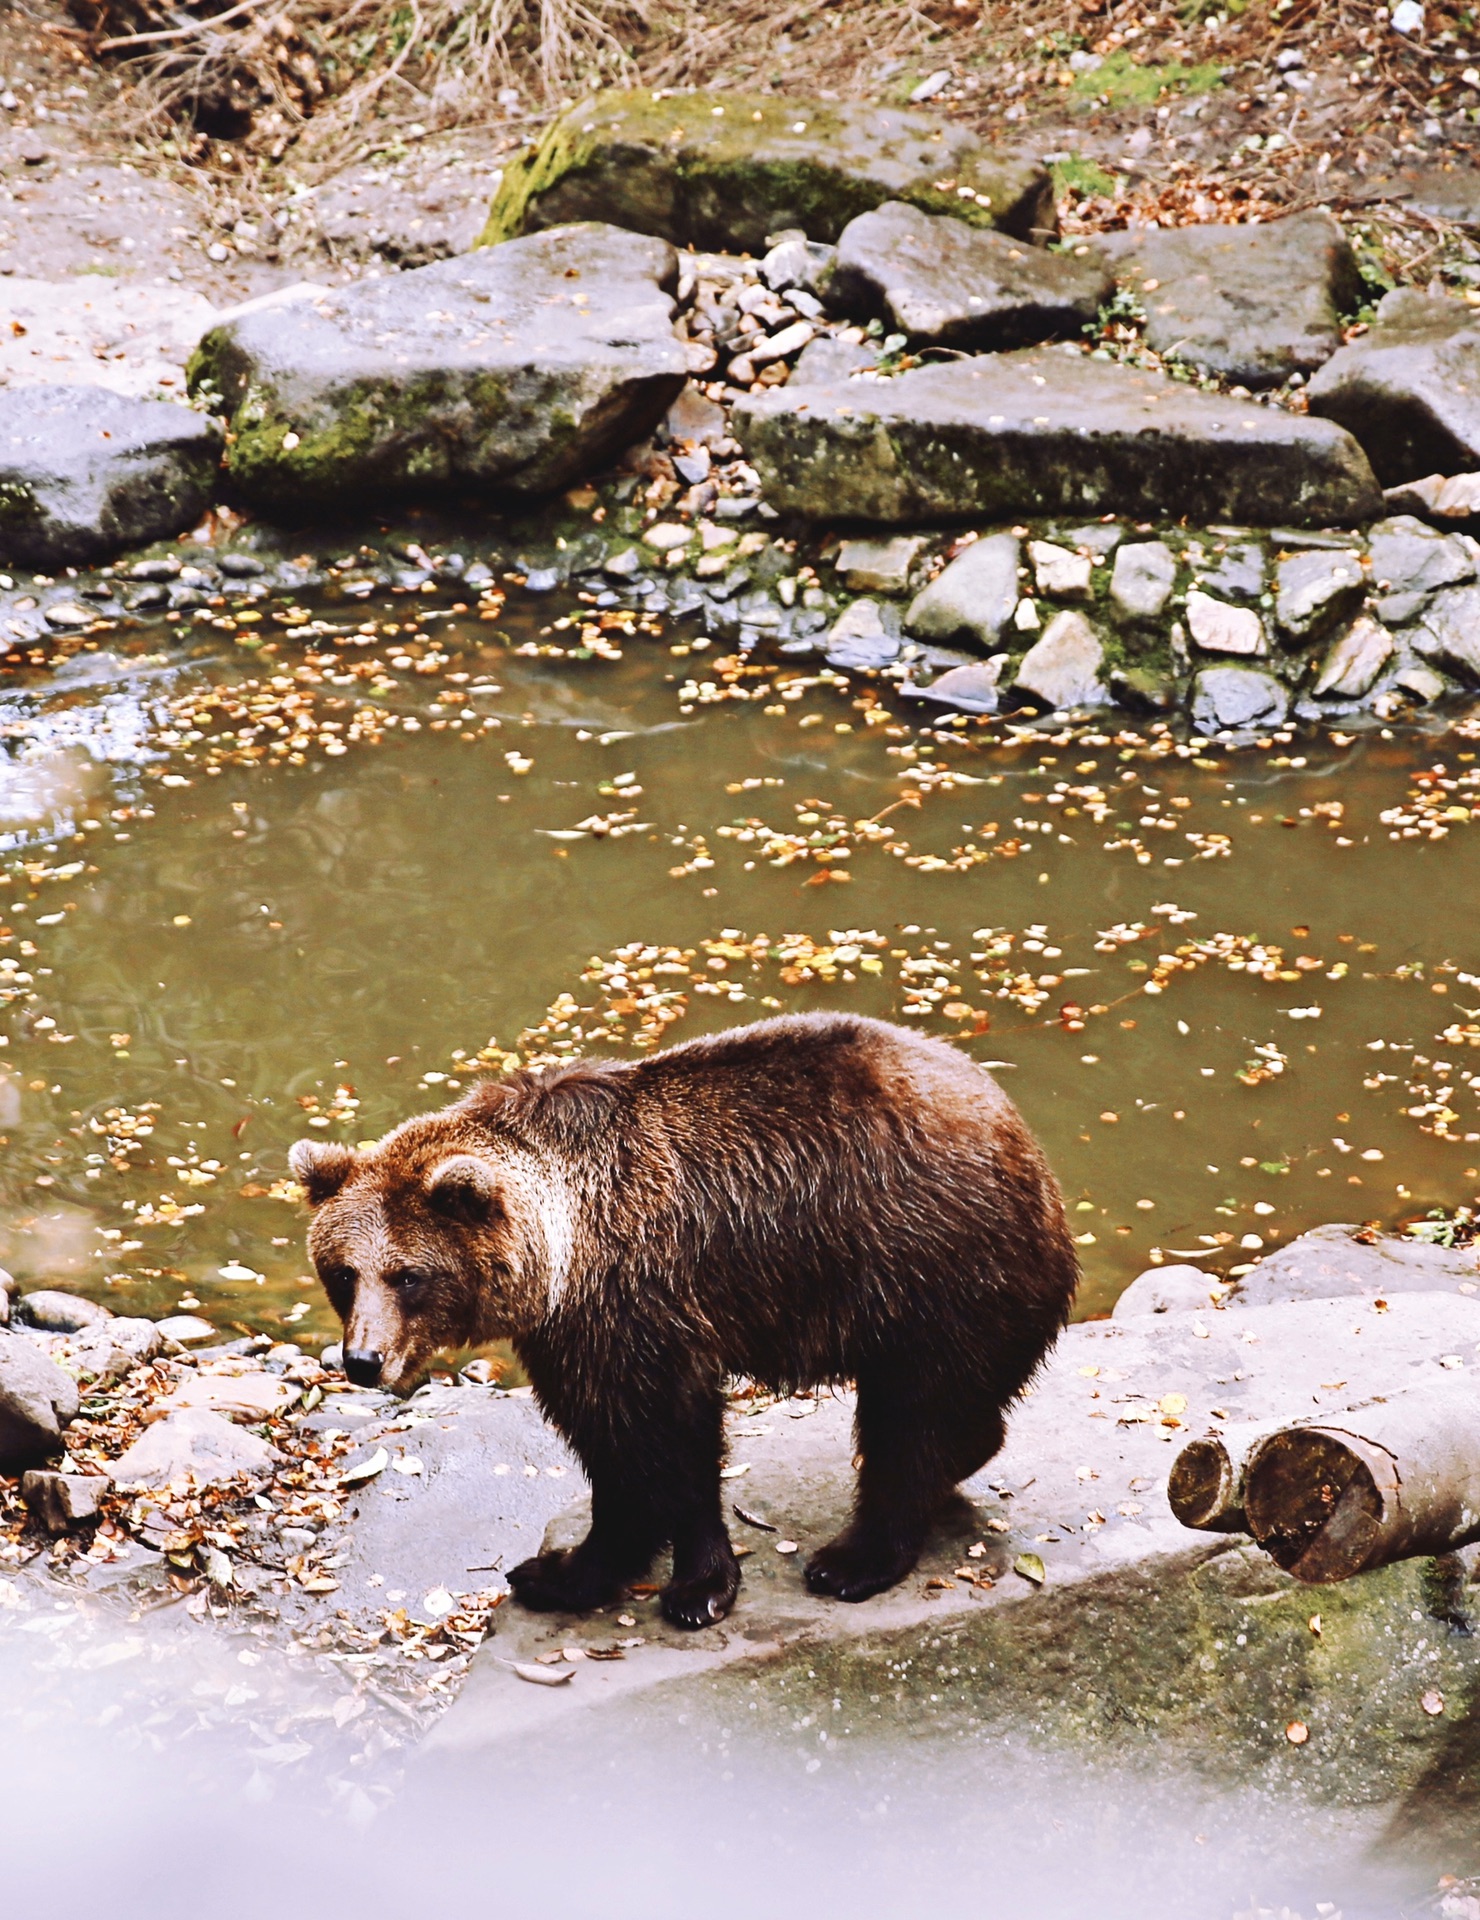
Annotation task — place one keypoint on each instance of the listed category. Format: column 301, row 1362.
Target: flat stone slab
column 1410, row 388
column 1074, row 1505
column 1063, row 668
column 1448, row 632
column 84, row 472
column 1045, row 431
column 130, row 338
column 1255, row 303
column 725, row 171
column 516, row 369
column 947, row 284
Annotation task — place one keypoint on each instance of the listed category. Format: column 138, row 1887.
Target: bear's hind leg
column 917, row 1443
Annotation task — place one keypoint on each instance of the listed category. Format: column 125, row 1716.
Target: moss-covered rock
column 722, row 171
column 517, row 370
column 1047, row 430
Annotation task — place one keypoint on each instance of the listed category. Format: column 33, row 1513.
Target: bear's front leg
column 624, row 1536
column 706, row 1574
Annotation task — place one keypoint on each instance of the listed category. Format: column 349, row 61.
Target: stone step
column 1045, row 430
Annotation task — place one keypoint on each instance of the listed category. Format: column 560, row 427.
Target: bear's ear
column 463, row 1189
column 320, row 1167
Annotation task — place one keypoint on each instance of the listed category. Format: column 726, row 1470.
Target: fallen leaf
column 1432, row 1702
column 1030, row 1566
column 364, row 1470
column 544, row 1676
column 786, row 1546
column 1297, row 1733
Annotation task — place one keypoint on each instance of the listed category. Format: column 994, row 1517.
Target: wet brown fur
column 810, row 1200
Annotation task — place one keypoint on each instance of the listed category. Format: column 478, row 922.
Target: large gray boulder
column 1045, row 431
column 36, row 1401
column 972, row 598
column 516, row 369
column 1341, row 1262
column 1409, row 557
column 84, row 472
column 1410, row 388
column 1255, row 303
column 948, row 284
column 725, row 171
column 52, row 1311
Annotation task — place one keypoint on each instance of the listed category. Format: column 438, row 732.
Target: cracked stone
column 1315, row 590
column 1234, row 698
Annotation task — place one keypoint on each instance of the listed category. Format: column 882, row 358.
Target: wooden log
column 1205, row 1488
column 1397, row 1478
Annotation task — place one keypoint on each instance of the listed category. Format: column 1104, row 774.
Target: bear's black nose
column 363, row 1367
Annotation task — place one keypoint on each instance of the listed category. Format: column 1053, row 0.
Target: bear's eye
column 405, row 1278
column 339, row 1282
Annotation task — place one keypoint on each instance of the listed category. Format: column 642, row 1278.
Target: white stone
column 1218, row 627
column 668, row 536
column 1060, row 571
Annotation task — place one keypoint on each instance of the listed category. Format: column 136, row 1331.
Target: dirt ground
column 1182, row 114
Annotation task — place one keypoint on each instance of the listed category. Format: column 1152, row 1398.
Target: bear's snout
column 363, row 1366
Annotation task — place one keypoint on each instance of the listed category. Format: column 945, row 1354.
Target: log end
column 1203, row 1487
column 1313, row 1504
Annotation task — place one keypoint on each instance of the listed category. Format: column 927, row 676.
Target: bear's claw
column 561, row 1583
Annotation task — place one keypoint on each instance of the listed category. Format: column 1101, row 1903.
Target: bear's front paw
column 856, row 1569
column 702, row 1602
column 562, row 1583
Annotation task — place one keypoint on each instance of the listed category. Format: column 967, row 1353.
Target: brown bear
column 810, row 1200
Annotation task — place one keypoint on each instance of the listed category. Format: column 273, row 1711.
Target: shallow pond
column 263, row 890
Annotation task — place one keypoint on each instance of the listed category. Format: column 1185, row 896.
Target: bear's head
column 435, row 1237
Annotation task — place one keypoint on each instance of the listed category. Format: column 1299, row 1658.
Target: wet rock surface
column 1410, row 388
column 37, row 1399
column 1254, row 303
column 727, row 171
column 945, row 283
column 1234, row 699
column 84, row 472
column 1044, row 431
column 515, row 369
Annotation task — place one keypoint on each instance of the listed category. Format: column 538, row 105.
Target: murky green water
column 236, row 945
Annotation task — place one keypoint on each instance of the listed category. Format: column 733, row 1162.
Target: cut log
column 1205, row 1488
column 1396, row 1479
